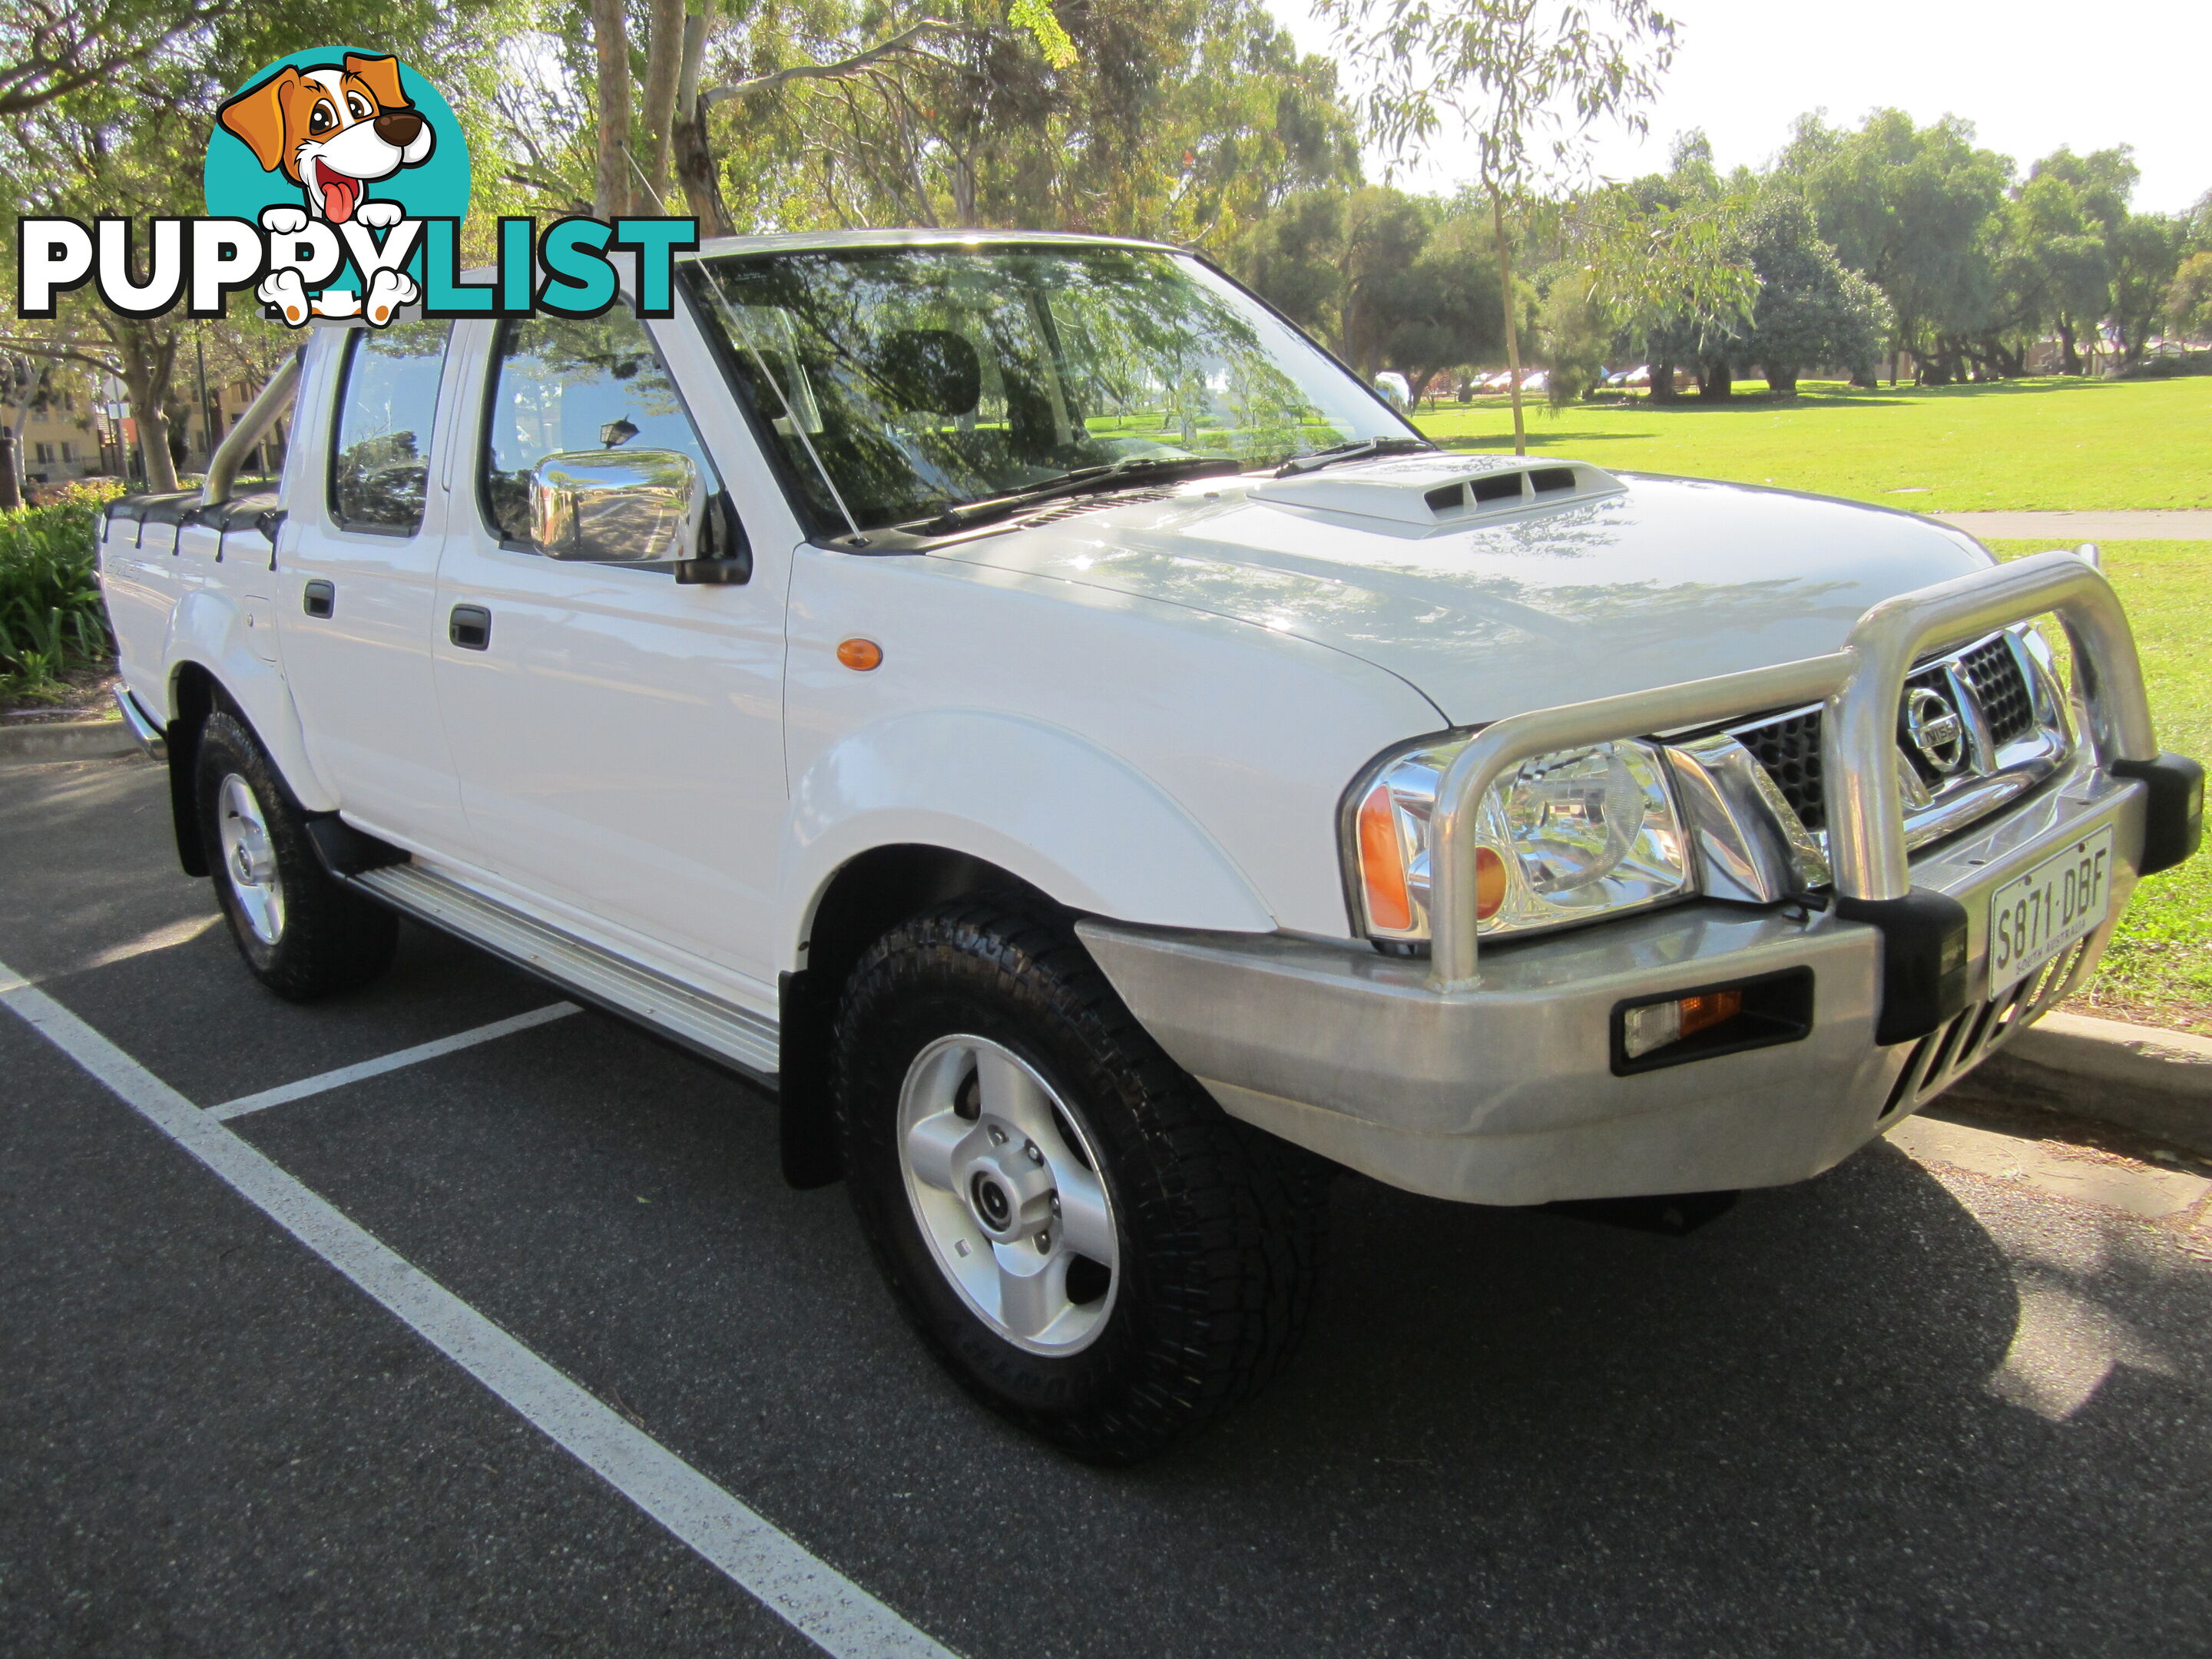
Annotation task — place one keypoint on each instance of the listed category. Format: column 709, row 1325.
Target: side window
column 563, row 386
column 387, row 405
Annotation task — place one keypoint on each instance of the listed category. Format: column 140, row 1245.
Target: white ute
column 1020, row 698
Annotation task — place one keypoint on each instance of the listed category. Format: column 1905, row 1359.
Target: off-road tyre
column 332, row 940
column 1221, row 1228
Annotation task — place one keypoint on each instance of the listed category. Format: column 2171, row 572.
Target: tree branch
column 906, row 39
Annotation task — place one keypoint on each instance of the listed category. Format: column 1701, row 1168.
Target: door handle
column 318, row 598
column 470, row 627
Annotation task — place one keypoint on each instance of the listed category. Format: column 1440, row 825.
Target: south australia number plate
column 2063, row 899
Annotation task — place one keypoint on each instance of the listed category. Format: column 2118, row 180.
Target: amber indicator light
column 1711, row 1021
column 861, row 655
column 1489, row 883
column 1710, row 1009
column 1383, row 867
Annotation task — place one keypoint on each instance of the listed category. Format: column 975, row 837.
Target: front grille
column 1993, row 672
column 1790, row 750
column 1788, row 746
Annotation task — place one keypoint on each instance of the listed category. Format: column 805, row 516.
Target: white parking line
column 818, row 1601
column 392, row 1062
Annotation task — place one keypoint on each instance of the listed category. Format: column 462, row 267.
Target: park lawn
column 2011, row 445
column 2159, row 970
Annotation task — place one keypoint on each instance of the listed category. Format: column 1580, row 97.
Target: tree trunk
column 664, row 59
column 161, row 468
column 1662, row 383
column 11, row 476
column 1716, row 381
column 1783, row 382
column 1512, row 326
column 610, row 181
column 2070, row 359
column 964, row 187
column 144, row 365
column 695, row 162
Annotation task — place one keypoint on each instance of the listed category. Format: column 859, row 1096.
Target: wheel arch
column 195, row 691
column 863, row 899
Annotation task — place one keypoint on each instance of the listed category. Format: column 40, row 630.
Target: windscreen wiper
column 1358, row 449
column 1114, row 475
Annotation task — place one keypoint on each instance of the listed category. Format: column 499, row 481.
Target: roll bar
column 1860, row 684
column 260, row 415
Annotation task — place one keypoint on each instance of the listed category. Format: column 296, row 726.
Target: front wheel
column 302, row 934
column 1079, row 1233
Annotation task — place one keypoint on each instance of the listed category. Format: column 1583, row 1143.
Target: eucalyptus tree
column 1655, row 267
column 2145, row 250
column 51, row 48
column 2189, row 299
column 1524, row 80
column 1181, row 119
column 1385, row 279
column 1914, row 209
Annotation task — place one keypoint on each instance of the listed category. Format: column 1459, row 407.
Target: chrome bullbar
column 1861, row 686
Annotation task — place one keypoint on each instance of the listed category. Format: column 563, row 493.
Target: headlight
column 1562, row 837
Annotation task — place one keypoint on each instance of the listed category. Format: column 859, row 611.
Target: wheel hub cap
column 1005, row 1183
column 249, row 859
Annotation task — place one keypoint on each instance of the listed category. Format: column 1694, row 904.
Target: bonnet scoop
column 1439, row 492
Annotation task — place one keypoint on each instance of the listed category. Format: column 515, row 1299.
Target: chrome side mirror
column 616, row 506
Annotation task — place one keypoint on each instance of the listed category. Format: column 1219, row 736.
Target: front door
column 358, row 579
column 619, row 736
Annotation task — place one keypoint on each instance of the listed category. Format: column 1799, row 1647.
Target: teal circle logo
column 340, row 136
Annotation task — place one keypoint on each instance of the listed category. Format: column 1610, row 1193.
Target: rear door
column 357, row 582
column 618, row 735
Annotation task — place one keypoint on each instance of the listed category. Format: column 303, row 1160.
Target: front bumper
column 1505, row 1093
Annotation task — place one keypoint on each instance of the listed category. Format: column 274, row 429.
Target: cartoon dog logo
column 333, row 130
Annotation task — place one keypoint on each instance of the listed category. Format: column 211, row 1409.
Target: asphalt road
column 1891, row 1411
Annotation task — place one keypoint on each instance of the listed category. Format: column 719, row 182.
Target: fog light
column 1713, row 1020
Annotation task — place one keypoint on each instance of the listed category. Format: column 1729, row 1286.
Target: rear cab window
column 387, row 408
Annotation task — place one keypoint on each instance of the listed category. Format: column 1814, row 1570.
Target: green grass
column 2011, row 445
column 2159, row 970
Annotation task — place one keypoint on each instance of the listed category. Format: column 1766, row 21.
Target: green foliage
column 1389, row 281
column 50, row 602
column 1526, row 80
column 1909, row 207
column 1576, row 329
column 2189, row 299
column 2145, row 250
column 1044, row 26
column 1178, row 119
column 1657, row 268
column 1811, row 310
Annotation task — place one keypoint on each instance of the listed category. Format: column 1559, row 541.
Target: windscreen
column 901, row 382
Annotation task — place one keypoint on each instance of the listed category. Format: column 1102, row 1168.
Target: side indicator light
column 1658, row 1023
column 861, row 655
column 1381, row 864
column 1711, row 1021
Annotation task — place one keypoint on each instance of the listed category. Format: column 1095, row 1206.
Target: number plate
column 2063, row 899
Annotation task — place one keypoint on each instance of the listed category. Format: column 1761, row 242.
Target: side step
column 720, row 1029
